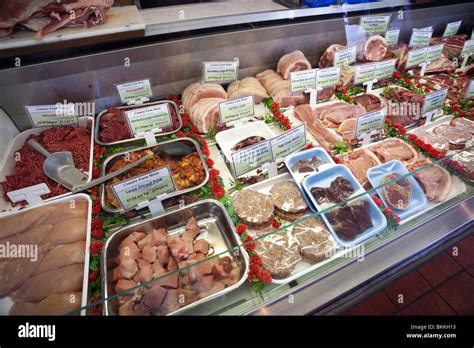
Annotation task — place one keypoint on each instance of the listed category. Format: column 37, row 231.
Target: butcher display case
column 312, row 230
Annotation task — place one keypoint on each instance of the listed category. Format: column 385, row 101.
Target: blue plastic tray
column 418, row 200
column 307, row 154
column 318, row 3
column 324, row 179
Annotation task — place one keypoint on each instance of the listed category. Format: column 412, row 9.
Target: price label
column 152, row 118
column 392, row 37
column 375, row 24
column 384, row 69
column 470, row 90
column 142, row 188
column 328, row 77
column 288, row 142
column 52, row 115
column 420, row 37
column 345, row 57
column 370, row 122
column 433, row 52
column 364, row 73
column 135, row 90
column 304, row 80
column 251, row 158
column 416, row 57
column 220, row 72
column 468, row 49
column 236, row 109
column 434, row 101
column 452, row 28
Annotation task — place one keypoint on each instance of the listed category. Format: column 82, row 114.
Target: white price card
column 374, row 24
column 151, row 118
column 345, row 57
column 452, row 28
column 433, row 102
column 220, row 72
column 416, row 57
column 420, row 37
column 52, row 115
column 468, row 48
column 136, row 90
column 134, row 191
column 328, row 77
column 384, row 69
column 288, row 142
column 470, row 90
column 364, row 73
column 303, row 80
column 391, row 36
column 433, row 53
column 236, row 109
column 370, row 122
column 251, row 158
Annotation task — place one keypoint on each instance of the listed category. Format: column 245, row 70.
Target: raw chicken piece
column 14, row 224
column 205, row 114
column 204, row 284
column 128, row 268
column 66, row 232
column 294, row 61
column 169, row 280
column 198, row 271
column 279, row 89
column 145, row 241
column 56, row 281
column 192, row 229
column 33, row 235
column 158, row 237
column 216, row 287
column 63, row 255
column 172, row 265
column 247, row 86
column 232, row 277
column 149, row 253
column 144, row 275
column 163, row 255
column 128, row 251
column 201, row 246
column 186, row 297
column 198, row 91
column 154, row 297
column 56, row 304
column 117, row 273
column 123, row 285
column 132, row 238
column 126, row 308
column 73, row 209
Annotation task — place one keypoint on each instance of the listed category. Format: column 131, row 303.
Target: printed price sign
column 364, row 73
column 345, row 57
column 328, row 77
column 468, row 49
column 433, row 52
column 220, row 72
column 52, row 115
column 420, row 37
column 433, row 102
column 452, row 28
column 416, row 57
column 470, row 90
column 370, row 122
column 135, row 90
column 384, row 69
column 251, row 158
column 288, row 142
column 302, row 81
column 374, row 24
column 392, row 37
column 149, row 119
column 142, row 188
column 236, row 109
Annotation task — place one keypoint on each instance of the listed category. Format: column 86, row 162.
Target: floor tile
column 465, row 252
column 406, row 289
column 377, row 304
column 429, row 304
column 439, row 268
column 457, row 292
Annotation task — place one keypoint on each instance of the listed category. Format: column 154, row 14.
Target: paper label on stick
column 301, row 81
column 135, row 90
column 328, row 77
column 374, row 24
column 433, row 52
column 236, row 109
column 142, row 188
column 364, row 73
column 30, row 194
column 345, row 57
column 420, row 37
column 149, row 118
column 220, row 72
column 434, row 101
column 288, row 142
column 370, row 122
column 416, row 57
column 452, row 28
column 52, row 115
column 468, row 49
column 251, row 158
column 470, row 90
column 384, row 69
column 392, row 37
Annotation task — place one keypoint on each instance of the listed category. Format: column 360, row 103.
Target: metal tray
column 110, row 161
column 132, row 141
column 210, row 214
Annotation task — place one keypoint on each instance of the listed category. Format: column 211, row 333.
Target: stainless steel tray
column 132, row 141
column 110, row 161
column 220, row 233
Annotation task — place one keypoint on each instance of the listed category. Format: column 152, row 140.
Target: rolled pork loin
column 279, row 89
column 247, row 86
column 294, row 61
column 201, row 90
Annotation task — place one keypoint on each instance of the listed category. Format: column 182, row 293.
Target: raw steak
column 370, row 102
column 294, row 61
column 395, row 149
column 434, row 180
column 351, row 219
column 457, row 137
column 314, row 240
column 397, row 195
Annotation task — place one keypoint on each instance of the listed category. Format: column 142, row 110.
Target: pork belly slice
column 294, row 61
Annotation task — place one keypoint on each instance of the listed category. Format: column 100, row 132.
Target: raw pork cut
column 359, row 162
column 205, row 114
column 395, row 149
column 327, row 59
column 457, row 137
column 279, row 89
column 294, row 61
column 434, row 180
column 247, row 86
column 372, row 49
column 453, row 45
column 397, row 194
column 439, row 144
column 463, row 123
column 200, row 90
column 370, row 102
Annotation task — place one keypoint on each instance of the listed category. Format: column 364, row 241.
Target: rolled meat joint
column 279, row 89
column 327, row 59
column 294, row 61
column 201, row 90
column 372, row 49
column 205, row 114
column 247, row 86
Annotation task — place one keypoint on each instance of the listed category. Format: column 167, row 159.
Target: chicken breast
column 62, row 255
column 56, row 304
